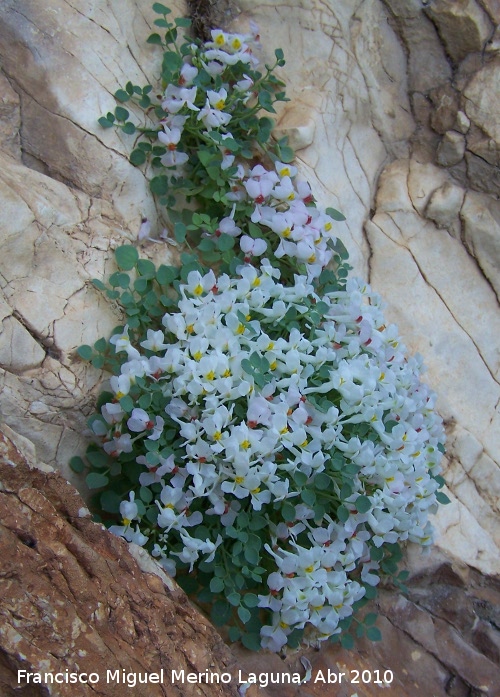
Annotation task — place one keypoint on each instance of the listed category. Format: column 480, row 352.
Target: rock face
column 402, row 107
column 74, row 599
column 394, row 112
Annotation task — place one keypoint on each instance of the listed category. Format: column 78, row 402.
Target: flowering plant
column 265, row 436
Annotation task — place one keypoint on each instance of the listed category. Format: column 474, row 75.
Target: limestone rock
column 481, row 104
column 73, row 599
column 480, row 216
column 462, row 24
column 451, row 149
column 444, row 207
column 416, row 265
column 10, row 119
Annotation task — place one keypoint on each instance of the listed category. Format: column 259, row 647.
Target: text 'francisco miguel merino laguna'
column 121, row 677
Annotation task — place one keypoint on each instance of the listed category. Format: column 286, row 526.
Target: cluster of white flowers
column 264, row 412
column 278, row 438
column 179, row 100
column 293, row 227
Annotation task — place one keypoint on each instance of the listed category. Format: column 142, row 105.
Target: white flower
column 139, row 421
column 129, row 510
column 155, row 341
column 213, row 117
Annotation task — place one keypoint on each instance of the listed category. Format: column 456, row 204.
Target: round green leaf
column 216, row 585
column 126, row 257
column 374, row 634
column 110, row 501
column 137, row 157
column 95, row 480
column 77, row 464
column 363, row 504
column 244, row 614
column 86, row 352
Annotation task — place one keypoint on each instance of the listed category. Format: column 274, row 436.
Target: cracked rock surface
column 391, row 88
column 74, row 599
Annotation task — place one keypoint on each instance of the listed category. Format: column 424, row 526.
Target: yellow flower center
column 239, row 480
column 220, row 104
column 245, row 444
column 198, row 290
column 217, row 435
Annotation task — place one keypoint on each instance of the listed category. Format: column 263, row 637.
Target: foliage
column 264, row 434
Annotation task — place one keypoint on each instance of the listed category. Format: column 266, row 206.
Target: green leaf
column 137, row 157
column 77, row 464
column 171, row 61
column 347, row 642
column 251, row 555
column 98, row 458
column 308, row 497
column 145, row 494
column 121, row 113
column 251, row 641
column 234, row 598
column 363, row 504
column 288, row 512
column 180, row 231
column 279, row 56
column 335, row 214
column 251, row 600
column 244, row 614
column 166, row 275
column 161, row 9
column 374, row 634
column 216, row 585
column 265, row 101
column 122, row 96
column 322, row 481
column 286, row 153
column 221, row 613
column 95, row 480
column 342, row 514
column 104, row 122
column 442, row 498
column 159, row 185
column 126, row 257
column 154, row 39
column 234, row 634
column 129, row 128
column 146, row 268
column 370, row 619
column 127, row 403
column 98, row 284
column 86, row 352
column 182, row 22
column 110, row 501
